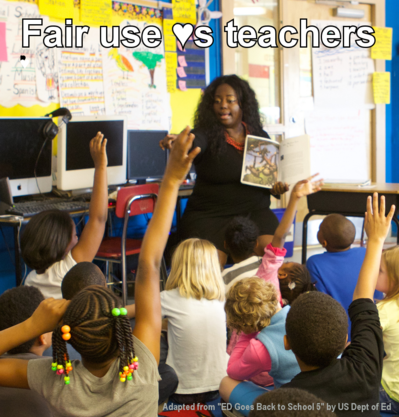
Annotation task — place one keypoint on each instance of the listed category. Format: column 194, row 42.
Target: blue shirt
column 336, row 274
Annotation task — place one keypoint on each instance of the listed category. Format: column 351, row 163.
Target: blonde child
column 49, row 243
column 93, row 322
column 193, row 303
column 388, row 310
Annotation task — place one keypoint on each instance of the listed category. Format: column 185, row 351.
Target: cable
column 34, row 170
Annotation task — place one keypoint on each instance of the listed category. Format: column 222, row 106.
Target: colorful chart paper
column 3, row 44
column 382, row 87
column 60, row 9
column 170, row 43
column 95, row 12
column 184, row 11
column 383, row 45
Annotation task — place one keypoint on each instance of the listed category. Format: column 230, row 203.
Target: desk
column 17, row 224
column 348, row 200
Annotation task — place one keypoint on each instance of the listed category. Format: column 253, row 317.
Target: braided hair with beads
column 98, row 329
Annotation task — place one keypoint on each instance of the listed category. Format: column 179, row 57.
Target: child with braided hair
column 93, row 322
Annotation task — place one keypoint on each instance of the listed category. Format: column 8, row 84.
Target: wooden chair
column 131, row 201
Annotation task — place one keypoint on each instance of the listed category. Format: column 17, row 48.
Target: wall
column 392, row 110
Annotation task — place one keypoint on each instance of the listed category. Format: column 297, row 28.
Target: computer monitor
column 75, row 166
column 146, row 160
column 20, row 142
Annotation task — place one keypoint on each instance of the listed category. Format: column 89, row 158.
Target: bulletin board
column 122, row 81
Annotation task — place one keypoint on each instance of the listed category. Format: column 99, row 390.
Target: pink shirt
column 249, row 356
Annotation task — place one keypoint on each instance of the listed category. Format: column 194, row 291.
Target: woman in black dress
column 227, row 112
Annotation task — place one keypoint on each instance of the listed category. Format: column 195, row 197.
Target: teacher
column 227, row 112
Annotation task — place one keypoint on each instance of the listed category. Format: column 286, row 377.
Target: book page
column 294, row 161
column 260, row 162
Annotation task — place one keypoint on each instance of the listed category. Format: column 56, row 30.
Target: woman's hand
column 166, row 142
column 307, row 187
column 98, row 150
column 279, row 188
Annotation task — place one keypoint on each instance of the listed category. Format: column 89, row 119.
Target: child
column 388, row 310
column 291, row 402
column 49, row 243
column 317, row 333
column 193, row 303
column 241, row 242
column 100, row 331
column 16, row 306
column 86, row 274
column 252, row 307
column 335, row 272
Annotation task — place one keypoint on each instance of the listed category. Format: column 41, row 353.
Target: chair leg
column 107, row 271
column 163, row 273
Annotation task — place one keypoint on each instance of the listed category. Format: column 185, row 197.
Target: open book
column 266, row 161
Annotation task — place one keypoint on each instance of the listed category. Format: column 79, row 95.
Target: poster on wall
column 18, row 78
column 135, row 83
column 80, row 75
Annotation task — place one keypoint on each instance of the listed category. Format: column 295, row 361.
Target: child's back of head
column 300, row 403
column 336, row 233
column 96, row 333
column 241, row 238
column 317, row 328
column 390, row 285
column 16, row 306
column 46, row 238
column 250, row 305
column 294, row 280
column 196, row 271
column 82, row 275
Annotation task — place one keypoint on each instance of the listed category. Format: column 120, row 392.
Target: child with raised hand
column 291, row 278
column 49, row 243
column 17, row 305
column 388, row 310
column 335, row 271
column 118, row 374
column 253, row 308
column 317, row 333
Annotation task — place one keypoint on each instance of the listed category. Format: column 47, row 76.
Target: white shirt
column 197, row 341
column 241, row 270
column 389, row 316
column 49, row 283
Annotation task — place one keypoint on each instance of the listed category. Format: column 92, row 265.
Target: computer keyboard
column 30, row 208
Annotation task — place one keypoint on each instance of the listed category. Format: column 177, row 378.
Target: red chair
column 131, row 201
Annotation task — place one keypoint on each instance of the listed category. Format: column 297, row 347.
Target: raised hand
column 279, row 188
column 180, row 160
column 166, row 142
column 49, row 313
column 376, row 223
column 307, row 187
column 98, row 150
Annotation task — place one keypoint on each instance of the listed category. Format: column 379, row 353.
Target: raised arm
column 301, row 189
column 376, row 226
column 93, row 232
column 147, row 295
column 13, row 372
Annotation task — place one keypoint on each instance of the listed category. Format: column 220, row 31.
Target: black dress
column 218, row 196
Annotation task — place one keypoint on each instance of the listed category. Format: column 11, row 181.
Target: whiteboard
column 338, row 125
column 338, row 148
column 342, row 77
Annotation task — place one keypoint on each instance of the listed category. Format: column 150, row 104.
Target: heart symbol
column 24, row 61
column 183, row 33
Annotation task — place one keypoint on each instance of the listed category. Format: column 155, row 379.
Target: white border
column 83, row 178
